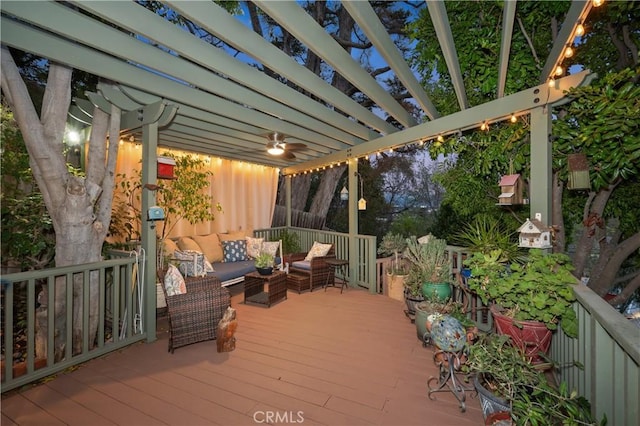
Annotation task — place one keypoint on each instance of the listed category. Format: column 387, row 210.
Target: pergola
column 177, row 91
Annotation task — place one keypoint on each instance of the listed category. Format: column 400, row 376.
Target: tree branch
column 526, row 36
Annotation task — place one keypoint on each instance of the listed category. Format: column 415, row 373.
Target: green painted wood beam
column 498, row 109
column 577, row 10
column 130, row 15
column 438, row 13
column 508, row 16
column 219, row 22
column 301, row 25
column 366, row 18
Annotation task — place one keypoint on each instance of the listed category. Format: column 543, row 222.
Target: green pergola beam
column 301, row 25
column 366, row 18
column 219, row 22
column 438, row 13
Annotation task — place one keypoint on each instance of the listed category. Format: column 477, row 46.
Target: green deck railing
column 608, row 346
column 119, row 318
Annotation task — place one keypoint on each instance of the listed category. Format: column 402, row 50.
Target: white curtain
column 246, row 192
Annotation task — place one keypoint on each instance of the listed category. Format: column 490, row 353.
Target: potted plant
column 264, row 263
column 393, row 245
column 529, row 299
column 507, row 382
column 430, row 266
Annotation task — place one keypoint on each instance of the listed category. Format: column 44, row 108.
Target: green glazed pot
column 439, row 291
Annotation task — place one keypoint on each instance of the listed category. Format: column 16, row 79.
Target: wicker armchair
column 319, row 270
column 194, row 316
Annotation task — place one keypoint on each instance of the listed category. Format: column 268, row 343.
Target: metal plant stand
column 450, row 379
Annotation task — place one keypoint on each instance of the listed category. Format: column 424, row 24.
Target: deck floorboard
column 320, row 358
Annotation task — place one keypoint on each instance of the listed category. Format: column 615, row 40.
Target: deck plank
column 320, row 358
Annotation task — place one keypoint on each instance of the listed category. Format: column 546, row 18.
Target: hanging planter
column 578, row 172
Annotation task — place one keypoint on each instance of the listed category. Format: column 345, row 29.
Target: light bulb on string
column 568, row 52
column 513, row 118
column 559, row 71
column 579, row 30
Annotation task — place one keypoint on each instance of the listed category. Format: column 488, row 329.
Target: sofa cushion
column 302, row 264
column 170, row 247
column 234, row 251
column 232, row 236
column 210, row 246
column 174, row 282
column 232, row 270
column 254, row 247
column 318, row 250
column 187, row 243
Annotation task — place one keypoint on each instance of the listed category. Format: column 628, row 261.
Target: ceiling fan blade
column 295, row 146
column 288, row 155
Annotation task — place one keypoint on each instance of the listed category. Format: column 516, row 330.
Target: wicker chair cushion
column 174, row 282
column 302, row 264
column 234, row 251
column 254, row 246
column 318, row 250
column 210, row 246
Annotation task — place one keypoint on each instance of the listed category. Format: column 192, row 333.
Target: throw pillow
column 186, row 243
column 210, row 246
column 174, row 282
column 270, row 247
column 234, row 251
column 254, row 245
column 191, row 263
column 318, row 250
column 233, row 236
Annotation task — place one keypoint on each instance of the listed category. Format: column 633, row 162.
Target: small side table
column 254, row 291
column 338, row 267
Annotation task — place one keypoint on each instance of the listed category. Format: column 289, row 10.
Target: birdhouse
column 166, row 166
column 511, row 190
column 578, row 172
column 534, row 234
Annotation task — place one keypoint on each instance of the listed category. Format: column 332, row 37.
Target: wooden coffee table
column 255, row 292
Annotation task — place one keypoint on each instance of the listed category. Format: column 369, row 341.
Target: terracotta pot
column 532, row 337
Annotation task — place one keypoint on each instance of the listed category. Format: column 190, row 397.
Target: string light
column 568, row 52
column 579, row 30
column 440, row 138
column 559, row 71
column 597, row 3
column 484, row 126
column 513, row 118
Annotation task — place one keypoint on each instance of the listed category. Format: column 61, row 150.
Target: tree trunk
column 80, row 208
column 324, row 194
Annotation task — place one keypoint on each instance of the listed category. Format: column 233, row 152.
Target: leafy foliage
column 538, row 289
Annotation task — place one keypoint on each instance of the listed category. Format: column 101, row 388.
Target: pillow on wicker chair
column 270, row 247
column 318, row 250
column 174, row 282
column 192, row 263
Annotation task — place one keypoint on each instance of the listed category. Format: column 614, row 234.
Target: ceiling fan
column 277, row 146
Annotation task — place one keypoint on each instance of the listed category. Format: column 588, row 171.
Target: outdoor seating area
column 322, row 357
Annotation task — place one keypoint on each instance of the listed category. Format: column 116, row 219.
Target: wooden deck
column 317, row 358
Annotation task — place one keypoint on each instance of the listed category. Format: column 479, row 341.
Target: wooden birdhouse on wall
column 166, row 166
column 535, row 234
column 511, row 190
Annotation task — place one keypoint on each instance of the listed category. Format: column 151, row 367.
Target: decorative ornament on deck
column 535, row 234
column 578, row 171
column 511, row 187
column 166, row 166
